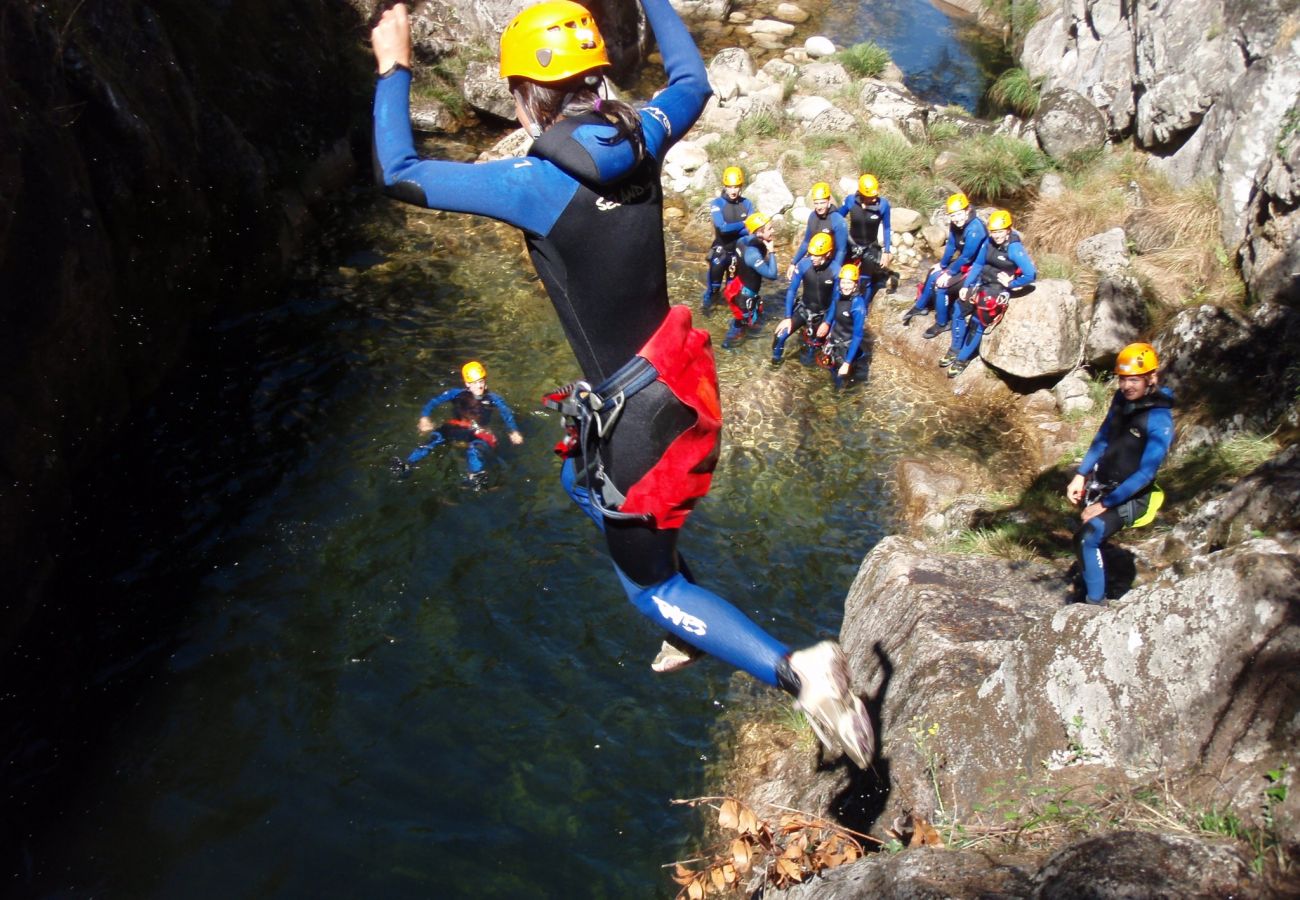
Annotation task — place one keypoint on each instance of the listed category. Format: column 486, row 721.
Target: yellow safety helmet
column 473, row 371
column 1000, row 220
column 820, row 191
column 957, row 202
column 850, row 271
column 552, row 41
column 732, row 176
column 755, row 221
column 868, row 186
column 1136, row 359
column 821, row 243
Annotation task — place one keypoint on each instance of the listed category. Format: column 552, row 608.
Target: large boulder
column 1105, row 253
column 1119, row 317
column 1040, row 335
column 487, row 91
column 1067, row 123
column 1270, row 258
column 1228, row 364
column 769, row 193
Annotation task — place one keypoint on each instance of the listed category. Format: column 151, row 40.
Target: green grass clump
column 999, row 541
column 1017, row 91
column 865, row 60
column 1216, row 465
column 943, row 132
column 891, row 157
column 993, row 166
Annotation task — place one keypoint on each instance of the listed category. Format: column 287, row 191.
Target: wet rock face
column 134, row 198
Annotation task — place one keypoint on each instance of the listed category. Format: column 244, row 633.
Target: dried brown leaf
column 789, row 869
column 696, row 890
column 924, row 834
column 729, row 873
column 748, row 821
column 740, row 854
column 718, row 878
column 683, row 875
column 729, row 814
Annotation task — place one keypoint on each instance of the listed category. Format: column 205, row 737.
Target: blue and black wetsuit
column 819, row 287
column 592, row 216
column 728, row 227
column 469, row 423
column 958, row 255
column 1121, row 465
column 833, row 224
column 870, row 236
column 992, row 261
column 755, row 262
column 848, row 321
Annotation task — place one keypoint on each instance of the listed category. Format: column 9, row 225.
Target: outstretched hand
column 516, row 437
column 391, row 39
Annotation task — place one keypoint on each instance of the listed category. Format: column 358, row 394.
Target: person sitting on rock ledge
column 966, row 234
column 1116, row 482
column 1001, row 267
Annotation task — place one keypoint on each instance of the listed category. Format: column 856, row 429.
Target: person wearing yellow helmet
column 728, row 211
column 1115, row 483
column 1001, row 268
column 966, row 234
column 823, row 220
column 818, row 278
column 845, row 325
column 867, row 218
column 472, row 407
column 645, row 414
column 754, row 259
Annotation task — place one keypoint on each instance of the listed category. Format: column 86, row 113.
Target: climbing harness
column 590, row 415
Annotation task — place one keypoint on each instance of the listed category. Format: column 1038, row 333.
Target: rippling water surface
column 381, row 688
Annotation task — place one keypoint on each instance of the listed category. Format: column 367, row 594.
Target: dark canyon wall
column 156, row 159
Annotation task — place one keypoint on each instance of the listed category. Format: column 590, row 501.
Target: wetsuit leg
column 474, row 456
column 797, row 321
column 645, row 557
column 717, row 270
column 425, row 449
column 970, row 344
column 960, row 323
column 1088, row 541
column 926, row 295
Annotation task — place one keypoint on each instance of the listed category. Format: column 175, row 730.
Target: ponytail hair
column 546, row 103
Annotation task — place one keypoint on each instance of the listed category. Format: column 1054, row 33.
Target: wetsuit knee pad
column 706, row 621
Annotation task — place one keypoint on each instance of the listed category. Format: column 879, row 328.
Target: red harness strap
column 683, row 356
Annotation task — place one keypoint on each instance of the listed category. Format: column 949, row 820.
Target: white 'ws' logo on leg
column 682, row 620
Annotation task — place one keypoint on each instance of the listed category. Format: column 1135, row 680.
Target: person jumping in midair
column 645, row 414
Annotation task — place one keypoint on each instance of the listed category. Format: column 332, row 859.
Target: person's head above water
column 475, row 377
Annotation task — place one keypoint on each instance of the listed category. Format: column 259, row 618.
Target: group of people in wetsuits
column 982, row 267
column 839, row 266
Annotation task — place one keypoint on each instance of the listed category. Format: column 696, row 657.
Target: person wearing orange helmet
column 1115, row 483
column 818, row 278
column 642, row 421
column 845, row 325
column 754, row 260
column 966, row 235
column 825, row 219
column 1001, row 268
column 867, row 217
column 728, row 211
column 472, row 408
